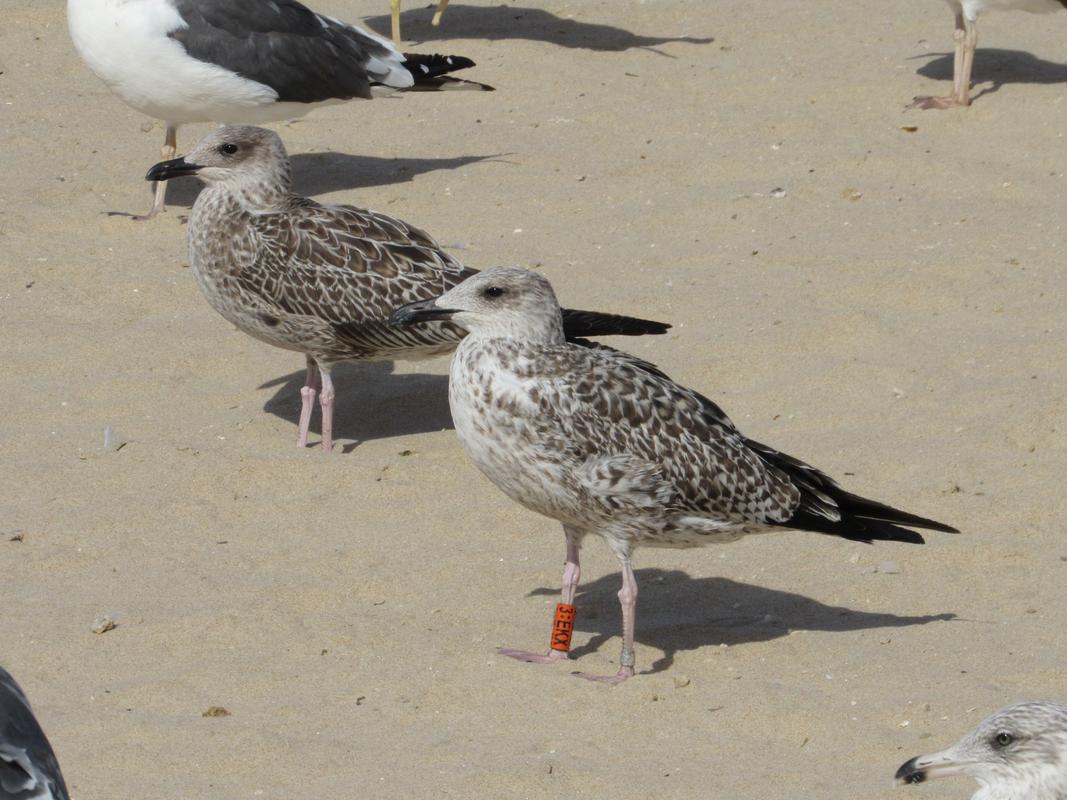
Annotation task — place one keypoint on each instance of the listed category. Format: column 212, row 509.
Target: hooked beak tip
column 175, row 168
column 421, row 311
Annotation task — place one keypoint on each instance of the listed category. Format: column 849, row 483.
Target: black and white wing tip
column 28, row 766
column 431, row 73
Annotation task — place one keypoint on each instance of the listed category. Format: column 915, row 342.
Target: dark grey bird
column 606, row 443
column 965, row 38
column 1018, row 753
column 184, row 61
column 319, row 279
column 28, row 767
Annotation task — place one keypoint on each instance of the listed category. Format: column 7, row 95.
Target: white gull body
column 130, row 45
column 1018, row 753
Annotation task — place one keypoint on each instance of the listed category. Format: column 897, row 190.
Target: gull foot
column 613, row 680
column 938, row 102
column 551, row 657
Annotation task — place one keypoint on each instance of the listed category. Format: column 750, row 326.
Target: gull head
column 1018, row 752
column 240, row 156
column 503, row 302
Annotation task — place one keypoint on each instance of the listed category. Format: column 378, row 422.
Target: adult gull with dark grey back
column 320, row 279
column 1018, row 753
column 184, row 61
column 28, row 767
column 607, row 444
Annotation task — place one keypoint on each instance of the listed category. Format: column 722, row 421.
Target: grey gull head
column 186, row 61
column 503, row 302
column 28, row 767
column 1018, row 753
column 320, row 279
column 606, row 443
column 251, row 161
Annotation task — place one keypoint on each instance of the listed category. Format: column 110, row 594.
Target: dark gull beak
column 422, row 311
column 175, row 168
column 924, row 768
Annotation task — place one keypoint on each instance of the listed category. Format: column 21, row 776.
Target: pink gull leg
column 307, row 401
column 326, row 397
column 965, row 38
column 628, row 601
column 572, row 572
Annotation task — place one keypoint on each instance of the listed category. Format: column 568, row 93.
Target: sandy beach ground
column 876, row 290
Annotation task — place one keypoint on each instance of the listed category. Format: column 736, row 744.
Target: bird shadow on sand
column 321, row 173
column 372, row 402
column 517, row 22
column 996, row 68
column 677, row 612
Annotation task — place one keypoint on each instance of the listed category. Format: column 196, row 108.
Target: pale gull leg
column 168, row 151
column 326, row 397
column 395, row 6
column 437, row 14
column 628, row 601
column 965, row 38
column 308, row 393
column 572, row 573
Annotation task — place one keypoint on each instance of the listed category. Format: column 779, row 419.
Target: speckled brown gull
column 965, row 38
column 186, row 61
column 319, row 279
column 1018, row 753
column 28, row 767
column 607, row 444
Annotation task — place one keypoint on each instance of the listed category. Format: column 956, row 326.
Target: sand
column 876, row 290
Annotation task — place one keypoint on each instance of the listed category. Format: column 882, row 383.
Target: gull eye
column 228, row 149
column 493, row 291
column 1003, row 739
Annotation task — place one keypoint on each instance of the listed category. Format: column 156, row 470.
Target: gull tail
column 577, row 324
column 431, row 73
column 827, row 508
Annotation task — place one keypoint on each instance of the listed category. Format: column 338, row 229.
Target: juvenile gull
column 965, row 38
column 606, row 443
column 240, row 61
column 28, row 767
column 1018, row 753
column 319, row 279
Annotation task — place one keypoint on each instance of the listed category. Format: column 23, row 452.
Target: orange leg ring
column 562, row 627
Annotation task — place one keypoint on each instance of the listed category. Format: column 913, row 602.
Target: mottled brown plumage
column 607, row 444
column 315, row 278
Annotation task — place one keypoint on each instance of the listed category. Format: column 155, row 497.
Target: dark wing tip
column 577, row 323
column 436, row 63
column 866, row 509
column 431, row 72
column 855, row 529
